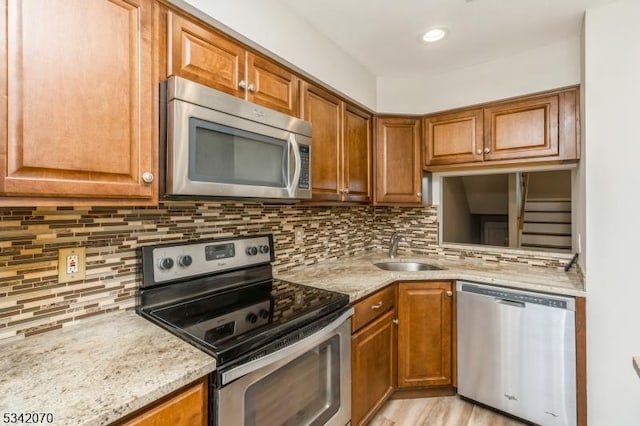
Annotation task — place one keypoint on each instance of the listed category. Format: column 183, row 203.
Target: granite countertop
column 98, row 371
column 357, row 275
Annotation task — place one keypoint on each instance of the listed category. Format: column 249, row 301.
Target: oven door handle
column 293, row 185
column 303, row 345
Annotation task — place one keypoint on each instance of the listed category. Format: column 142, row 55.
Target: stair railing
column 524, row 182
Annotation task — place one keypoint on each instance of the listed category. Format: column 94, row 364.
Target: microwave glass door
column 223, row 154
column 306, row 391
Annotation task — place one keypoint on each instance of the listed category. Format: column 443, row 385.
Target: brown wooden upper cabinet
column 539, row 128
column 341, row 159
column 398, row 164
column 454, row 138
column 204, row 55
column 79, row 118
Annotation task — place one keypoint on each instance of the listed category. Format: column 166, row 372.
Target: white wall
column 548, row 67
column 579, row 179
column 276, row 28
column 612, row 144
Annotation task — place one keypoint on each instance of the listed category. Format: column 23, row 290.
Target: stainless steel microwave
column 222, row 146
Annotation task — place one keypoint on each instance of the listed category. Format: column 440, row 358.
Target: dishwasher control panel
column 519, row 296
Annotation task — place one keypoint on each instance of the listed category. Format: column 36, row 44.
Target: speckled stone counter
column 357, row 276
column 98, row 371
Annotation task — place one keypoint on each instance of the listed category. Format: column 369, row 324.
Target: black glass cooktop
column 233, row 325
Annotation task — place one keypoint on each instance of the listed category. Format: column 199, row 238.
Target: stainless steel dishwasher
column 517, row 353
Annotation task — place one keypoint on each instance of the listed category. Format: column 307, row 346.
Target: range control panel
column 183, row 261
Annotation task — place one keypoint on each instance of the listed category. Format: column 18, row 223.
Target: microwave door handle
column 293, row 185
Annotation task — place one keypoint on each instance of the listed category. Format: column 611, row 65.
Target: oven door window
column 223, row 154
column 306, row 391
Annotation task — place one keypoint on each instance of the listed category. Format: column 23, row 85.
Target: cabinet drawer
column 372, row 307
column 186, row 408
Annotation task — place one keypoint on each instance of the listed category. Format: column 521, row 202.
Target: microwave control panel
column 305, row 167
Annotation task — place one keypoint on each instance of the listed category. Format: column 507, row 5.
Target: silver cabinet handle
column 377, row 305
column 395, row 321
column 251, row 88
column 479, row 152
column 487, row 150
column 449, row 293
column 345, row 190
column 242, row 84
column 147, row 177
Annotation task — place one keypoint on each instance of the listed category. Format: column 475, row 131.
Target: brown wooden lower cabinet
column 425, row 334
column 373, row 367
column 187, row 407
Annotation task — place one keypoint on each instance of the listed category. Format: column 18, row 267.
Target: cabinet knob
column 377, row 305
column 251, row 88
column 449, row 293
column 395, row 321
column 479, row 151
column 345, row 190
column 242, row 84
column 147, row 177
column 487, row 150
column 419, row 194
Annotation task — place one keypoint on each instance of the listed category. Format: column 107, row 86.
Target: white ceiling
column 383, row 34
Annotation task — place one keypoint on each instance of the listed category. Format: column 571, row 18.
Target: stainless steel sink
column 407, row 266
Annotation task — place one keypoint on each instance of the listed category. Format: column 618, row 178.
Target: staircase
column 546, row 225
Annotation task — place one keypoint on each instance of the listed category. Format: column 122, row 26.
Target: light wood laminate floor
column 440, row 411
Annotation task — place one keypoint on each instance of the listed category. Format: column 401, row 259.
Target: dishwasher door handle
column 511, row 303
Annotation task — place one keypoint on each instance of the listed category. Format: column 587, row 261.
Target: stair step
column 547, row 228
column 553, row 241
column 547, row 206
column 546, row 248
column 553, row 217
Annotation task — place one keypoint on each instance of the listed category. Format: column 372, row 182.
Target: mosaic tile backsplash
column 32, row 301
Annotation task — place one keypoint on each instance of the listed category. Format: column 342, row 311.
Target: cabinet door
column 324, row 111
column 187, row 408
column 454, row 138
column 522, row 129
column 79, row 91
column 204, row 56
column 373, row 367
column 425, row 334
column 356, row 154
column 271, row 86
column 398, row 165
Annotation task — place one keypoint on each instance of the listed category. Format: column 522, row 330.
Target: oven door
column 307, row 383
column 212, row 153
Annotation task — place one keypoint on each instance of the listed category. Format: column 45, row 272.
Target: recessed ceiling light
column 434, row 34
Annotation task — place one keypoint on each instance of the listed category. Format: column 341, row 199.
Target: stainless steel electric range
column 282, row 349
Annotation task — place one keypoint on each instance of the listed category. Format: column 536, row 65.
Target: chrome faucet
column 393, row 244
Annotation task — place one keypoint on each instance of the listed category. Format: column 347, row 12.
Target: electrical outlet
column 298, row 238
column 71, row 264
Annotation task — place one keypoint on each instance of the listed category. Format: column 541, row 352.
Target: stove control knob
column 252, row 251
column 264, row 249
column 185, row 260
column 252, row 318
column 166, row 263
column 264, row 314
